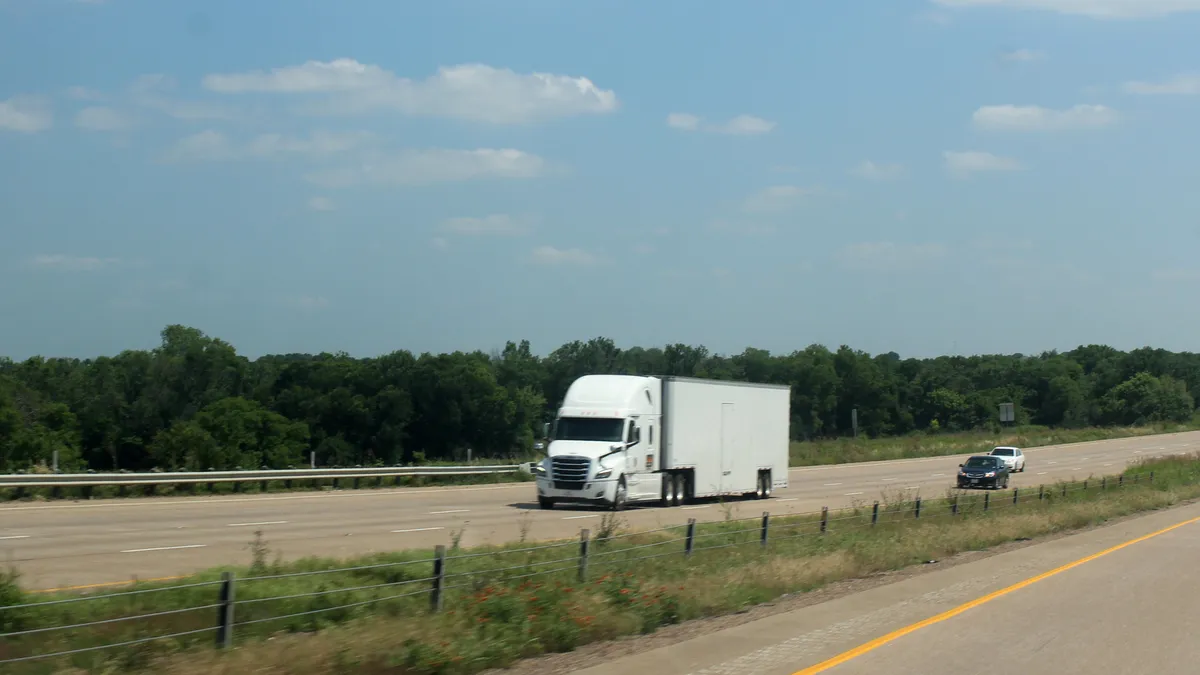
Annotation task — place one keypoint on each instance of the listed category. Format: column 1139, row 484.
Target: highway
column 74, row 543
column 1120, row 599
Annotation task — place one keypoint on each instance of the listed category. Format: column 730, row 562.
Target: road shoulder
column 801, row 630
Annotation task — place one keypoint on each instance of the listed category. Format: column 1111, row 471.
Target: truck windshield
column 589, row 429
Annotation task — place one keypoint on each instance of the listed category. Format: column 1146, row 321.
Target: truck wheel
column 545, row 502
column 679, row 485
column 621, row 496
column 766, row 485
column 668, row 491
column 760, row 490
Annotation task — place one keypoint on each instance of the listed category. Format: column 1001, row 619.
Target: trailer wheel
column 679, row 485
column 758, row 489
column 766, row 485
column 668, row 490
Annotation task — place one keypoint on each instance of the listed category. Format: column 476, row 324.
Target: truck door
column 729, row 443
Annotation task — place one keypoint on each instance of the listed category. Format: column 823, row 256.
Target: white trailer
column 620, row 439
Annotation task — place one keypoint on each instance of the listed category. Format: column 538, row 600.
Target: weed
column 258, row 554
column 524, row 523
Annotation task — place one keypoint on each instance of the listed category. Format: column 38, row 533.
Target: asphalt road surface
column 62, row 544
column 1054, row 608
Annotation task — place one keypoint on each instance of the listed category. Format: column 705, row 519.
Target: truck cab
column 603, row 443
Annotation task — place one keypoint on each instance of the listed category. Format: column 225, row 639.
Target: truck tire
column 668, row 491
column 621, row 496
column 679, row 484
column 545, row 503
column 766, row 485
column 760, row 490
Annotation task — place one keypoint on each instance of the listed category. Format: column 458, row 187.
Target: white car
column 1013, row 457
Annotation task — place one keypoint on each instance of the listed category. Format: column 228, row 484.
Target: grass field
column 849, row 450
column 316, row 617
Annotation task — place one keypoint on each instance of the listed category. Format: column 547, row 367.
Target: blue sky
column 924, row 176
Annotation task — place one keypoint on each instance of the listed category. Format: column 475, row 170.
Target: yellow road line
column 67, row 589
column 951, row 613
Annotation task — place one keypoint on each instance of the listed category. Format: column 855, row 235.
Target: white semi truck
column 621, row 439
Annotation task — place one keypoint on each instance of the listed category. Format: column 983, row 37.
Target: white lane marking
column 1042, row 473
column 16, row 536
column 693, row 508
column 163, row 548
column 418, row 529
column 913, row 487
column 1078, row 468
column 1109, row 464
column 789, row 499
column 1137, row 452
column 578, row 517
column 832, row 484
column 265, row 522
column 1086, row 458
column 1052, row 462
column 938, row 475
column 851, row 494
column 887, row 479
column 442, row 513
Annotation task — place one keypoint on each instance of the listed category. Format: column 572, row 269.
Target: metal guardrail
column 183, row 477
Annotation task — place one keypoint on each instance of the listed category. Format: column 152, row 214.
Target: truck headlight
column 603, row 473
column 539, row 470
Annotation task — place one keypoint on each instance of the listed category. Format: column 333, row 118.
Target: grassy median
column 503, row 604
column 806, row 453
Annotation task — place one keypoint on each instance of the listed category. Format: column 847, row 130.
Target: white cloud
column 83, row 94
column 1023, row 55
column 1037, row 118
column 1187, row 84
column 70, row 263
column 214, row 146
column 684, row 121
column 1100, row 9
column 100, row 118
column 472, row 91
column 495, row 224
column 549, row 255
column 878, row 171
column 321, row 204
column 742, row 125
column 888, row 256
column 972, row 161
column 153, row 91
column 26, row 114
column 439, row 243
column 746, row 125
column 778, row 197
column 423, row 167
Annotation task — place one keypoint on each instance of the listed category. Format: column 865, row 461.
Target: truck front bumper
column 592, row 492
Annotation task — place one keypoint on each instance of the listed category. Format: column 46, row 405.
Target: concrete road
column 1130, row 610
column 59, row 544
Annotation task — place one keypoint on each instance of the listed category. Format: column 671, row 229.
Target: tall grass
column 502, row 604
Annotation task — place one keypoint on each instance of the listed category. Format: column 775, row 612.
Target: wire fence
column 221, row 611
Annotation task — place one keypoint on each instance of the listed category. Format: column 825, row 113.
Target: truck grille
column 569, row 473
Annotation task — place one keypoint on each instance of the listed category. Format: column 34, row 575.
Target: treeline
column 194, row 403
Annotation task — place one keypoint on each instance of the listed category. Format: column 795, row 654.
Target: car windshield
column 1007, row 452
column 589, row 429
column 981, row 463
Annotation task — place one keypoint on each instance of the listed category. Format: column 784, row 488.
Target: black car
column 983, row 471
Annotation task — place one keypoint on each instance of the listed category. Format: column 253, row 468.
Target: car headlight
column 603, row 473
column 990, row 474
